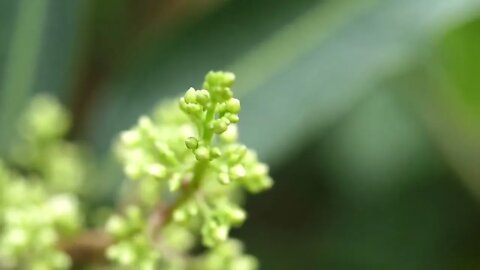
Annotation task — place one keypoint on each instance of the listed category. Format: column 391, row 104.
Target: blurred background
column 368, row 111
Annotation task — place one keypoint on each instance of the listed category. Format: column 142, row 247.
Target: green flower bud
column 191, row 96
column 145, row 123
column 191, row 143
column 130, row 137
column 175, row 182
column 192, row 209
column 183, row 104
column 214, row 233
column 237, row 172
column 215, row 152
column 116, row 226
column 225, row 93
column 157, row 170
column 233, row 105
column 133, row 171
column 233, row 118
column 228, row 78
column 236, row 216
column 203, row 97
column 179, row 216
column 230, row 135
column 165, row 152
column 219, row 126
column 202, row 153
column 193, row 109
column 223, row 178
column 221, row 233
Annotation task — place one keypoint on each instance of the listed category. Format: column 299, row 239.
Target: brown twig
column 87, row 248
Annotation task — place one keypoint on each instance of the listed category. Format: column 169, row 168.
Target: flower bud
column 237, row 172
column 220, row 126
column 179, row 215
column 191, row 143
column 193, row 109
column 228, row 78
column 190, row 96
column 215, row 153
column 182, row 104
column 116, row 226
column 203, row 97
column 233, row 105
column 202, row 154
column 223, row 178
column 157, row 170
column 233, row 118
column 230, row 135
column 130, row 137
column 174, row 182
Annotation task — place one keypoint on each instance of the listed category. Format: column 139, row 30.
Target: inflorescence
column 189, row 175
column 187, row 156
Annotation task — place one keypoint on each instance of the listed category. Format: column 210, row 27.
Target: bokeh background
column 368, row 111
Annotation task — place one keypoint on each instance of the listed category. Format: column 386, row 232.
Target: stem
column 207, row 131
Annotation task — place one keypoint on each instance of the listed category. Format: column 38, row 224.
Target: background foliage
column 368, row 111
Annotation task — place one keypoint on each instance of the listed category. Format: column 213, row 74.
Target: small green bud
column 237, row 172
column 193, row 109
column 223, row 178
column 233, row 118
column 202, row 153
column 190, row 96
column 228, row 78
column 236, row 215
column 116, row 226
column 145, row 123
column 174, row 182
column 133, row 171
column 231, row 134
column 192, row 209
column 130, row 137
column 182, row 104
column 221, row 233
column 203, row 97
column 215, row 152
column 157, row 170
column 222, row 108
column 220, row 126
column 179, row 216
column 225, row 93
column 233, row 105
column 191, row 143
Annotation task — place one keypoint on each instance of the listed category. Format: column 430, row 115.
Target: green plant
column 188, row 172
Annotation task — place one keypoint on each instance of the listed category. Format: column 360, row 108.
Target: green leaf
column 305, row 73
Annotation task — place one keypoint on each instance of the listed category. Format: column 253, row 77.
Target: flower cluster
column 191, row 172
column 38, row 206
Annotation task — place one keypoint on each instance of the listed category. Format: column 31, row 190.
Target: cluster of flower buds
column 188, row 153
column 38, row 202
column 154, row 149
column 133, row 248
column 41, row 146
column 227, row 256
column 32, row 223
column 222, row 217
column 213, row 110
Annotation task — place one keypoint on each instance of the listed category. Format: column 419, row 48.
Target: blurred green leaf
column 21, row 63
column 446, row 95
column 303, row 75
column 35, row 54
